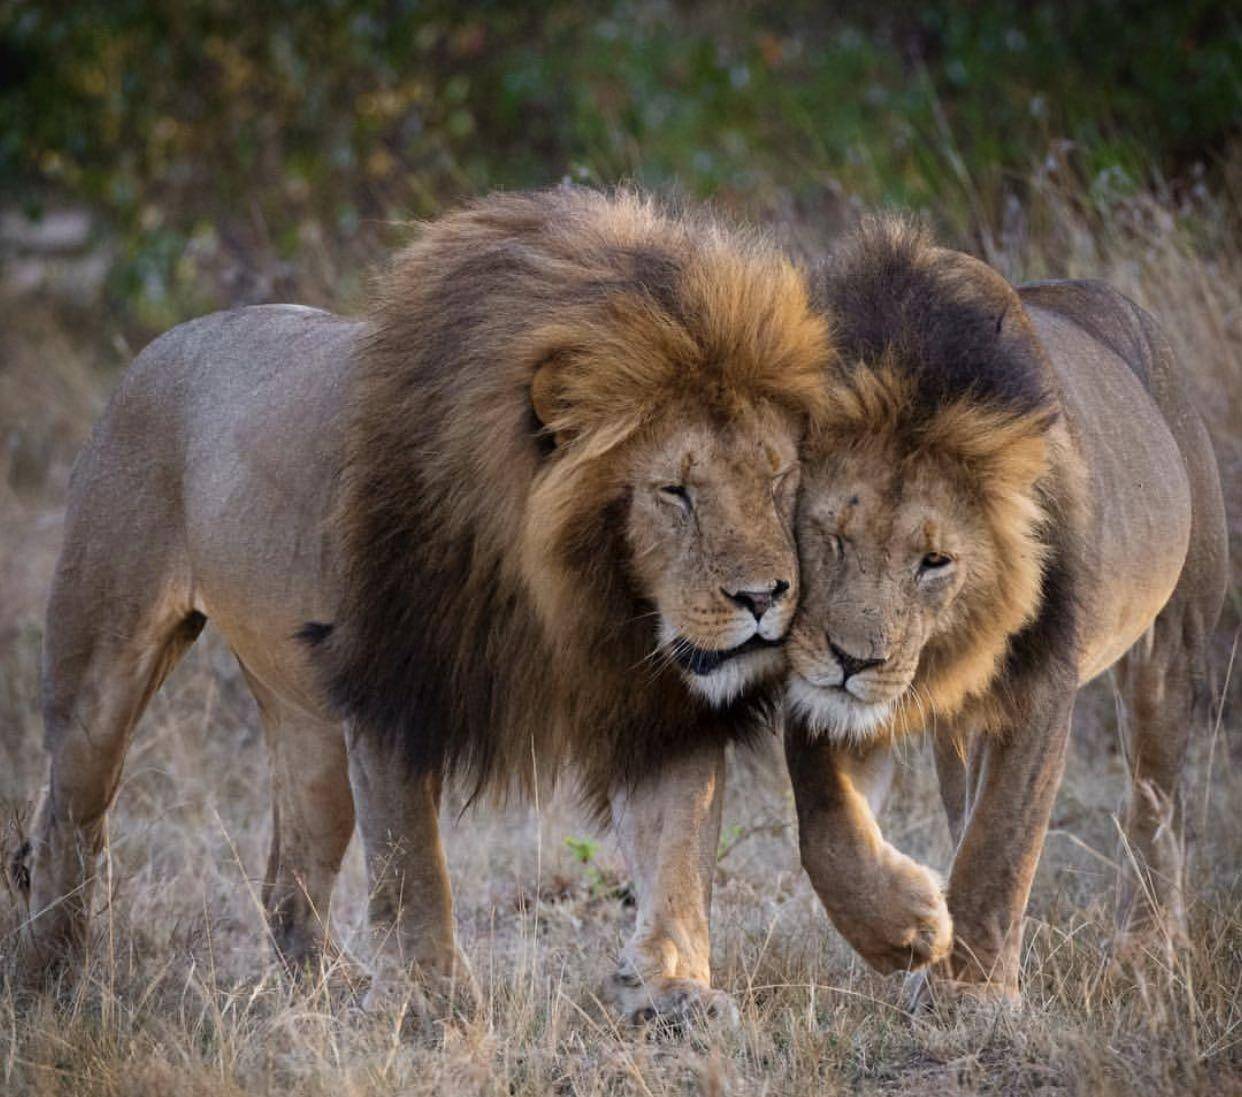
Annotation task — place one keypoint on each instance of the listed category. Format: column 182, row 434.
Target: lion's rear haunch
column 442, row 642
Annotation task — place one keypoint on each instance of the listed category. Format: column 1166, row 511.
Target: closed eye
column 935, row 561
column 677, row 493
column 785, row 473
column 784, row 484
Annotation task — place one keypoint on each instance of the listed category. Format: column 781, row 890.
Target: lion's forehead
column 698, row 448
column 880, row 506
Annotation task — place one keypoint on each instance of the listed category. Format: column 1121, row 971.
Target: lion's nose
column 758, row 601
column 851, row 664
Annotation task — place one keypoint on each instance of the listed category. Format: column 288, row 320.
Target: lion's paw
column 425, row 994
column 926, row 990
column 329, row 969
column 1142, row 942
column 680, row 1002
column 909, row 927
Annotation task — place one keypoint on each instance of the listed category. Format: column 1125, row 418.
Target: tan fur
column 1009, row 490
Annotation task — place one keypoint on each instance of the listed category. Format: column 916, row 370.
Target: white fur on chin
column 833, row 713
column 736, row 676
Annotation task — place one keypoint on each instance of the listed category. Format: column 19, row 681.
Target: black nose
column 851, row 664
column 758, row 601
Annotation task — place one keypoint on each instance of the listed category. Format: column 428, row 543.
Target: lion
column 1009, row 494
column 534, row 510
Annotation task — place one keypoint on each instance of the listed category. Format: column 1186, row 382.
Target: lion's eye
column 677, row 493
column 784, row 486
column 935, row 561
column 784, row 476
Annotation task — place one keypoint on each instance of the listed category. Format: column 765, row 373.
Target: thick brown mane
column 488, row 616
column 937, row 363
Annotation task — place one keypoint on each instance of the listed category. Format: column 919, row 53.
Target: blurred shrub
column 228, row 144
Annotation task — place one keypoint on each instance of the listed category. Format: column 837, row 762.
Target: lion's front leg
column 668, row 828
column 886, row 905
column 416, row 958
column 1017, row 779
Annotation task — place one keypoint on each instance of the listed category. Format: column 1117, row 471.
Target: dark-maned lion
column 1010, row 494
column 536, row 508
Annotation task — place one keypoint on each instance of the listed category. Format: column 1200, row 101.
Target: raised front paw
column 896, row 918
column 678, row 1001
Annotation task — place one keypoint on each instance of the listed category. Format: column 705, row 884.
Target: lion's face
column 890, row 552
column 710, row 532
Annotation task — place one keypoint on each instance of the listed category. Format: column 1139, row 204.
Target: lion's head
column 676, row 411
column 921, row 525
column 570, row 480
column 709, row 529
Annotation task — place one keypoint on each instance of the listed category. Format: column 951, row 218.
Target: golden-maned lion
column 1010, row 494
column 536, row 508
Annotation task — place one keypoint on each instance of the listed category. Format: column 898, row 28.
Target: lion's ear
column 547, row 397
column 570, row 410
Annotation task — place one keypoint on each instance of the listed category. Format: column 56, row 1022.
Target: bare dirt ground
column 180, row 995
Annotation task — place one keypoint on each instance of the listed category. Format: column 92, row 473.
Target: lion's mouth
column 841, row 691
column 703, row 661
column 834, row 710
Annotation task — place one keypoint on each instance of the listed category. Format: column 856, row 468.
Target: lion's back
column 1146, row 452
column 220, row 448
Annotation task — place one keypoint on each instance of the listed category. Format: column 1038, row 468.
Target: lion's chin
column 832, row 712
column 732, row 678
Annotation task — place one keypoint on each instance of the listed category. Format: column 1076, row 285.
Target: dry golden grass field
column 180, row 995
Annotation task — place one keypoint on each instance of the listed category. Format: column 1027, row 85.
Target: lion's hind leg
column 312, row 823
column 1157, row 684
column 102, row 663
column 1165, row 687
column 958, row 757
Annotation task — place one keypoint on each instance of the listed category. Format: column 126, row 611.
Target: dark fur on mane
column 895, row 298
column 439, row 647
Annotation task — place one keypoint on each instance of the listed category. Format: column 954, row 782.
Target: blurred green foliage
column 213, row 134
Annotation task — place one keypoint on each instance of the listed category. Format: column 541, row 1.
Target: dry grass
column 179, row 995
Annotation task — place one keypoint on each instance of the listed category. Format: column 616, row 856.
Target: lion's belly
column 263, row 448
column 1128, row 618
column 1142, row 517
column 1140, row 505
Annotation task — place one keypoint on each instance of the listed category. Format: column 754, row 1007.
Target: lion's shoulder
column 1108, row 316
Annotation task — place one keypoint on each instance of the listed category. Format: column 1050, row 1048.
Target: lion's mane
column 489, row 624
